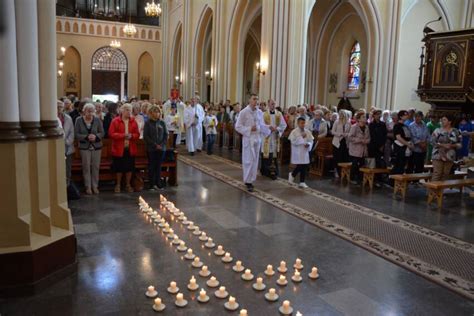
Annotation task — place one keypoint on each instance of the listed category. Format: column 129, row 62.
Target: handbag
column 370, row 163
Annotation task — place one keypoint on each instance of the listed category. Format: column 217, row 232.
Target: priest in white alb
column 271, row 144
column 251, row 126
column 193, row 118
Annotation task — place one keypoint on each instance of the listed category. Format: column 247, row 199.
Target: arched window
column 107, row 58
column 353, row 77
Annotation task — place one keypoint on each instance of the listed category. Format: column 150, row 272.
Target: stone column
column 9, row 112
column 47, row 67
column 27, row 55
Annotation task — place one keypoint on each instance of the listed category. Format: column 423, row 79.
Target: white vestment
column 276, row 134
column 180, row 106
column 193, row 117
column 300, row 153
column 251, row 141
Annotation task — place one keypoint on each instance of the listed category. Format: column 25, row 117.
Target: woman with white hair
column 124, row 134
column 340, row 131
column 89, row 133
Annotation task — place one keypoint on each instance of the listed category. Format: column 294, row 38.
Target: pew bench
column 436, row 188
column 345, row 171
column 169, row 169
column 369, row 174
column 402, row 180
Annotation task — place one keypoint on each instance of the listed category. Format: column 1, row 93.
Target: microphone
column 427, row 29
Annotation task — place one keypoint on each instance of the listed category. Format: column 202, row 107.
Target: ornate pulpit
column 446, row 79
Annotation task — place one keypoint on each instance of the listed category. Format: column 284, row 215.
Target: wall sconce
column 60, row 73
column 259, row 69
column 208, row 75
column 61, row 62
column 63, row 50
column 177, row 81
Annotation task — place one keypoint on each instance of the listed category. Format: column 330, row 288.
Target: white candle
column 231, row 300
column 179, row 297
column 196, row 260
column 175, row 237
column 238, row 264
column 314, row 270
column 209, row 240
column 269, row 267
column 248, row 271
column 158, row 301
column 151, row 288
column 227, row 255
column 222, row 289
column 219, row 248
column 282, row 278
column 190, row 251
column 297, row 273
column 192, row 281
column 203, row 234
column 202, row 294
column 172, row 284
column 299, row 314
column 171, row 231
column 283, row 264
column 272, row 291
column 243, row 312
column 213, row 279
column 204, row 268
column 286, row 304
column 259, row 281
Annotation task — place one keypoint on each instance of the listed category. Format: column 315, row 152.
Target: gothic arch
column 202, row 35
column 176, row 54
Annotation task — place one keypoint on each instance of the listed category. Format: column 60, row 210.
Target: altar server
column 252, row 127
column 301, row 140
column 193, row 118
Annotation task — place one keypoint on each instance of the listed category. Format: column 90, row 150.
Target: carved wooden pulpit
column 446, row 79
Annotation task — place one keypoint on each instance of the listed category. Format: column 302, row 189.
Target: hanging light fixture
column 129, row 29
column 152, row 9
column 115, row 44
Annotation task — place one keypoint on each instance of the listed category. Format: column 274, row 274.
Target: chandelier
column 115, row 44
column 152, row 9
column 129, row 29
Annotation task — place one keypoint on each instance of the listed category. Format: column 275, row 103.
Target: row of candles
column 271, row 295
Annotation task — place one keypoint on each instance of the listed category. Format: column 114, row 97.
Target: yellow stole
column 266, row 142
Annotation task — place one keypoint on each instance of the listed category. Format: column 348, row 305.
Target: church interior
column 237, row 157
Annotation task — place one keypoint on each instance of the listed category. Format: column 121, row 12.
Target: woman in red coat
column 124, row 134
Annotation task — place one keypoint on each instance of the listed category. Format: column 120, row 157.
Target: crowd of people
column 404, row 140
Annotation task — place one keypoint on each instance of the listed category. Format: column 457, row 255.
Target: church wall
column 133, row 48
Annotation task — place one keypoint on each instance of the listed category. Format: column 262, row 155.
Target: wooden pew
column 436, row 188
column 322, row 153
column 345, row 171
column 169, row 169
column 369, row 174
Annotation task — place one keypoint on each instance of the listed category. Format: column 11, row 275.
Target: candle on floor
column 282, row 280
column 282, row 268
column 238, row 266
column 247, row 276
column 269, row 271
column 243, row 312
column 192, row 284
column 285, row 308
column 158, row 305
column 314, row 273
column 231, row 304
column 203, row 297
column 296, row 277
column 298, row 264
column 173, row 288
column 227, row 258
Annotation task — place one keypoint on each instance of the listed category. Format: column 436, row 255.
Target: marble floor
column 456, row 218
column 120, row 254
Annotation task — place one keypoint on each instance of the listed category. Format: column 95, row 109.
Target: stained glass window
column 353, row 78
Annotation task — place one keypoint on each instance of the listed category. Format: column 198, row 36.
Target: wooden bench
column 169, row 169
column 322, row 153
column 436, row 188
column 345, row 171
column 369, row 174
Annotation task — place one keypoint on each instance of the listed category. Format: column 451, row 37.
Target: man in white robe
column 193, row 118
column 271, row 143
column 250, row 124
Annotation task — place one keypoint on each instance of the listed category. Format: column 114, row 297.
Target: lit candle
column 202, row 294
column 173, row 284
column 298, row 262
column 213, row 279
column 151, row 288
column 299, row 314
column 248, row 271
column 182, row 243
column 272, row 291
column 219, row 248
column 190, row 251
column 231, row 300
column 238, row 264
column 297, row 273
column 286, row 304
column 243, row 312
column 282, row 264
column 203, row 234
column 192, row 282
column 204, row 269
column 179, row 297
column 196, row 260
column 157, row 301
column 259, row 281
column 175, row 238
column 210, row 240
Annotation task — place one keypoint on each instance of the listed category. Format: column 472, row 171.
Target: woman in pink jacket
column 359, row 138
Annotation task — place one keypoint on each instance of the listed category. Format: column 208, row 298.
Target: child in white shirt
column 210, row 124
column 172, row 124
column 301, row 140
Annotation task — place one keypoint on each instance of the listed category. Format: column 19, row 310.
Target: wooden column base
column 10, row 132
column 21, row 272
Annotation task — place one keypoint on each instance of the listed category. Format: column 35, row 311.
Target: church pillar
column 266, row 57
column 47, row 66
column 9, row 112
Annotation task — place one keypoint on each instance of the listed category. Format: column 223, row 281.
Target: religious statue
column 71, row 80
column 145, row 82
column 333, row 83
